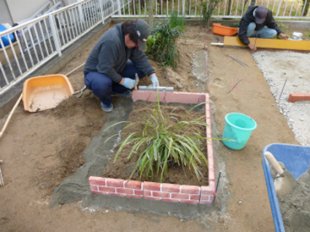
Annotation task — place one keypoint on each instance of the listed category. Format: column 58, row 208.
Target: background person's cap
column 260, row 14
column 143, row 32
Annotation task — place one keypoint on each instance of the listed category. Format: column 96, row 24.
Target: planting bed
column 192, row 194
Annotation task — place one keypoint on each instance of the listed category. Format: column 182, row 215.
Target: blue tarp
column 5, row 39
column 296, row 160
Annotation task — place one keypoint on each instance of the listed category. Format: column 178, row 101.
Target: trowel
column 284, row 182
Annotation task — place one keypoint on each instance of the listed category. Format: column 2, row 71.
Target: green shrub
column 158, row 144
column 161, row 45
column 176, row 20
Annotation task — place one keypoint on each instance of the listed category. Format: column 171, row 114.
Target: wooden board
column 270, row 43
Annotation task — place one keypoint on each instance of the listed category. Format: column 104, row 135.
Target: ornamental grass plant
column 158, row 144
column 161, row 44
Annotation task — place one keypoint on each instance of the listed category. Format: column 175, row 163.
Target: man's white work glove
column 128, row 83
column 154, row 81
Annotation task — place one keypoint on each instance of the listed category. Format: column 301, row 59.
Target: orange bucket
column 222, row 30
column 45, row 92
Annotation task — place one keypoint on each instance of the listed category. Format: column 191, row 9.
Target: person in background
column 108, row 71
column 258, row 22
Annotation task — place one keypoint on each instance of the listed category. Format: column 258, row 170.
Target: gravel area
column 290, row 72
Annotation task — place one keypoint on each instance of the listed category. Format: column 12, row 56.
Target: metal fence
column 28, row 46
column 282, row 9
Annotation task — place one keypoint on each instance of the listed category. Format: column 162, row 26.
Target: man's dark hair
column 128, row 28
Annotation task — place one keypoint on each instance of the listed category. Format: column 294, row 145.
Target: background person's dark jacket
column 248, row 18
column 110, row 55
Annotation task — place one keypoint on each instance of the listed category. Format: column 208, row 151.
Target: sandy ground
column 291, row 75
column 40, row 149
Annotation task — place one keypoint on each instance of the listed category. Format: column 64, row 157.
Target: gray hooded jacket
column 110, row 55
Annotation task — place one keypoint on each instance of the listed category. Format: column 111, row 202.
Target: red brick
column 207, row 190
column 147, row 193
column 122, row 190
column 133, row 184
column 205, row 197
column 147, row 96
column 107, row 189
column 161, row 194
column 137, row 95
column 298, row 97
column 189, row 202
column 97, row 192
column 152, row 198
column 209, row 132
column 171, row 188
column 194, row 197
column 180, row 196
column 210, row 158
column 115, row 182
column 94, row 187
column 211, row 173
column 134, row 196
column 208, row 113
column 187, row 98
column 96, row 180
column 191, row 189
column 139, row 192
column 117, row 194
column 203, row 98
column 205, row 202
column 151, row 186
column 170, row 200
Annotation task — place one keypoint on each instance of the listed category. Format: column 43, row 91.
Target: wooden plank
column 270, row 43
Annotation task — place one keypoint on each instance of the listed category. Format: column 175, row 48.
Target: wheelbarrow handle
column 10, row 115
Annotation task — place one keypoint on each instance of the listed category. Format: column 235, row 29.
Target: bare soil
column 40, row 149
column 123, row 166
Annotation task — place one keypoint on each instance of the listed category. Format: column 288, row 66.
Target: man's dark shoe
column 106, row 108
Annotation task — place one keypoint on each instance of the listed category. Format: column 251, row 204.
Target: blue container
column 5, row 39
column 238, row 127
column 296, row 160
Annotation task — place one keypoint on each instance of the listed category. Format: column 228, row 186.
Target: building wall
column 21, row 9
column 5, row 16
column 69, row 2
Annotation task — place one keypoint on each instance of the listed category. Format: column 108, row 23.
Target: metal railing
column 282, row 9
column 28, row 46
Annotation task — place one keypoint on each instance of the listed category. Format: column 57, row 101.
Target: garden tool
column 137, row 81
column 159, row 88
column 80, row 91
column 152, row 88
column 284, row 182
column 10, row 115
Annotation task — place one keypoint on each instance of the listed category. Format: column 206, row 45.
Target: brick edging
column 191, row 194
column 153, row 191
column 294, row 97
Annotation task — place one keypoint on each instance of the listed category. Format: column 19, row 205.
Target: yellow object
column 270, row 43
column 45, row 92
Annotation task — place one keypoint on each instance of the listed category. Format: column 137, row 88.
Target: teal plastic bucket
column 238, row 127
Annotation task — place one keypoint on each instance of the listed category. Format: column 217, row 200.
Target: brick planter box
column 162, row 191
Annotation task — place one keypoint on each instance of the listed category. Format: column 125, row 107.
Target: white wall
column 69, row 2
column 21, row 9
column 4, row 13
